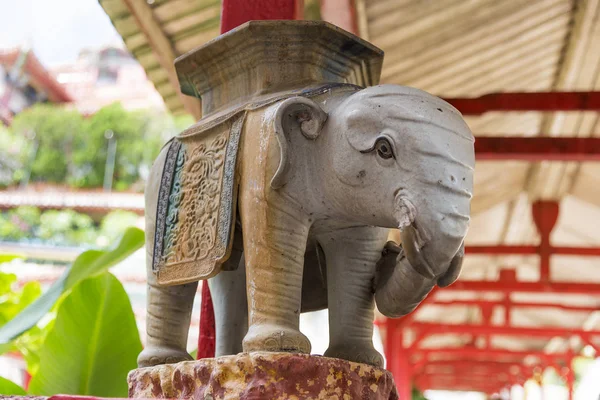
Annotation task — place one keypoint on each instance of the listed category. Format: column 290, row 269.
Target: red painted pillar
column 570, row 379
column 545, row 215
column 237, row 12
column 233, row 14
column 398, row 359
column 206, row 338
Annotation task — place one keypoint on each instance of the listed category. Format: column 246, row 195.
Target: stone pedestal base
column 263, row 376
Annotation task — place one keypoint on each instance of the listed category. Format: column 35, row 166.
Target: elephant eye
column 384, row 148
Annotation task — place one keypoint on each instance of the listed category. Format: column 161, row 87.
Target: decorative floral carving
column 194, row 201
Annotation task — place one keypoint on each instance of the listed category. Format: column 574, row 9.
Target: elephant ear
column 294, row 116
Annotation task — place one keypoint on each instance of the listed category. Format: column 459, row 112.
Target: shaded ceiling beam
column 592, row 289
column 496, row 354
column 493, row 148
column 487, row 303
column 541, row 332
column 237, row 12
column 162, row 48
column 540, row 101
column 531, row 250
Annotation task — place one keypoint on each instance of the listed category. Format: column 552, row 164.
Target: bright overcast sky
column 55, row 29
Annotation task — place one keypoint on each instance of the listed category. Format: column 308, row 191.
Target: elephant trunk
column 431, row 253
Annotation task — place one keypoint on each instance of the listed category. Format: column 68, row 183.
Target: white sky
column 55, row 29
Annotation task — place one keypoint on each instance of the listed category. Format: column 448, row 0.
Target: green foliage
column 66, row 227
column 9, row 257
column 87, row 264
column 11, row 162
column 53, row 129
column 12, row 301
column 417, row 395
column 60, row 146
column 93, row 344
column 115, row 223
column 10, row 388
column 93, row 262
column 19, row 223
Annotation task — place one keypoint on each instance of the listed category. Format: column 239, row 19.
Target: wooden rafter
column 162, row 48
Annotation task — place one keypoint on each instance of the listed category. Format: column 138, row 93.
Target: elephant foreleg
column 169, row 308
column 274, row 245
column 351, row 256
column 167, row 323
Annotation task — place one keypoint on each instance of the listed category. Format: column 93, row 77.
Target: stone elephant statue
column 321, row 178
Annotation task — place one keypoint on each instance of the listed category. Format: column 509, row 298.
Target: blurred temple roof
column 24, row 81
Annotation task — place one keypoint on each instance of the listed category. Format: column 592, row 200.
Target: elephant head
column 424, row 182
column 394, row 157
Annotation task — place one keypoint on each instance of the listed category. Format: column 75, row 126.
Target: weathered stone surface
column 263, row 376
column 3, row 397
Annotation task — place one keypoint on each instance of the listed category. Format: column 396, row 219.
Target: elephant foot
column 275, row 338
column 156, row 355
column 360, row 353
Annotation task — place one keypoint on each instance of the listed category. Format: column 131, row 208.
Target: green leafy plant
column 12, row 301
column 10, row 388
column 88, row 263
column 93, row 342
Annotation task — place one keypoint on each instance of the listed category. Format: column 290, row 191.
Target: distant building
column 107, row 75
column 23, row 82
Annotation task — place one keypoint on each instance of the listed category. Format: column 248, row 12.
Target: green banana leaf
column 93, row 344
column 10, row 388
column 8, row 257
column 87, row 264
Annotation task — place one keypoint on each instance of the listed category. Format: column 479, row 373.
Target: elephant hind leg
column 167, row 324
column 228, row 290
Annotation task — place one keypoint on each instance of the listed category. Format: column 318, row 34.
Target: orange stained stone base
column 263, row 376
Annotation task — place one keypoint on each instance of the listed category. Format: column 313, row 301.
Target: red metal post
column 233, row 14
column 398, row 358
column 570, row 379
column 545, row 215
column 548, row 101
column 206, row 337
column 237, row 12
column 402, row 370
column 494, row 148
